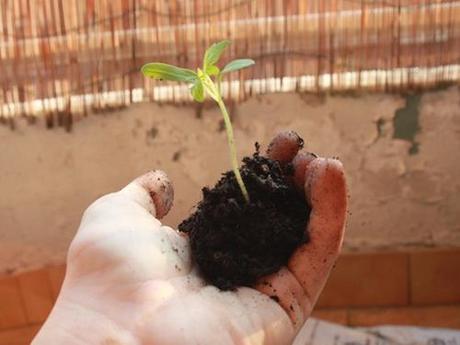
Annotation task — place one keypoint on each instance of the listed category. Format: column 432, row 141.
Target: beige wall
column 48, row 177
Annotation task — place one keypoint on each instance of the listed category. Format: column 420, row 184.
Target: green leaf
column 214, row 52
column 163, row 71
column 212, row 70
column 238, row 64
column 198, row 91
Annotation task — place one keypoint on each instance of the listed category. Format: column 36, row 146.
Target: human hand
column 131, row 280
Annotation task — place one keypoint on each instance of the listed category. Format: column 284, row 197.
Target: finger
column 284, row 146
column 153, row 191
column 300, row 163
column 325, row 191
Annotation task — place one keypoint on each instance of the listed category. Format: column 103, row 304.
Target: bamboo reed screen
column 70, row 57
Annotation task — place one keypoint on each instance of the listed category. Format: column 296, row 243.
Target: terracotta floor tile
column 18, row 336
column 371, row 279
column 339, row 316
column 36, row 293
column 56, row 277
column 435, row 316
column 12, row 313
column 435, row 276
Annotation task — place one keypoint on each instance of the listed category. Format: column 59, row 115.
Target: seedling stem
column 202, row 84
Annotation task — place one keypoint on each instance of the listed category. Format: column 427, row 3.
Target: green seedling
column 206, row 81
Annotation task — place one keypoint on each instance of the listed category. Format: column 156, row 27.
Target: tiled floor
column 409, row 288
column 372, row 279
column 435, row 277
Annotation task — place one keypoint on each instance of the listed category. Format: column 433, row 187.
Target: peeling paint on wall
column 406, row 122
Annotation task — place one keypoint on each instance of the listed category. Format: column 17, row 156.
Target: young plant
column 206, row 81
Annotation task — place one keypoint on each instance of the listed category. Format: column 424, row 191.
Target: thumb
column 121, row 230
column 133, row 206
column 153, row 191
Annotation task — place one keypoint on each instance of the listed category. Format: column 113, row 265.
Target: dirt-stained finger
column 326, row 192
column 300, row 163
column 285, row 146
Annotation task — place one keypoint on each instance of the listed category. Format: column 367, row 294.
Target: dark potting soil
column 234, row 242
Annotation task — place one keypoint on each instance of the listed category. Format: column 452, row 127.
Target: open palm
column 131, row 280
